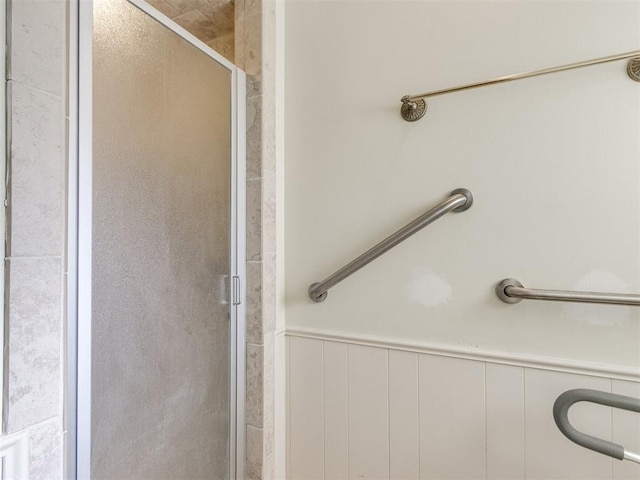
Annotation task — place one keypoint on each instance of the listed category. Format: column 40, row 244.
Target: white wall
column 552, row 162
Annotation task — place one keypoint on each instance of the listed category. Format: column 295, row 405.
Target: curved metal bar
column 561, row 416
column 460, row 200
column 511, row 290
column 414, row 107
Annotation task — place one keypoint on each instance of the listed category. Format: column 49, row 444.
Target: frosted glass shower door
column 162, row 252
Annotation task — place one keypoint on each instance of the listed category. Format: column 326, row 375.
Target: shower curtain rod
column 414, row 107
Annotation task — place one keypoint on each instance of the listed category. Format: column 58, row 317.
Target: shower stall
column 159, row 247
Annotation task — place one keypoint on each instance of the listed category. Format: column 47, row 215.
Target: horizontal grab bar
column 511, row 290
column 561, row 416
column 414, row 107
column 460, row 200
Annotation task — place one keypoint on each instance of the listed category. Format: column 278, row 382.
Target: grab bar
column 561, row 416
column 414, row 107
column 460, row 200
column 511, row 290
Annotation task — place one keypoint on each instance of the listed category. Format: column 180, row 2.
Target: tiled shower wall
column 35, row 263
column 255, row 54
column 212, row 21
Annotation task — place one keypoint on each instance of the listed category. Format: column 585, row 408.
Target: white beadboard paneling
column 360, row 411
column 404, row 432
column 306, row 404
column 336, row 414
column 452, row 418
column 505, row 422
column 549, row 455
column 626, row 431
column 368, row 413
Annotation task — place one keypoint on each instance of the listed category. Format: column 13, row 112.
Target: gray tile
column 268, row 118
column 254, row 137
column 197, row 24
column 37, row 42
column 239, row 30
column 253, row 53
column 268, row 399
column 254, row 386
column 254, row 302
column 253, row 7
column 269, row 213
column 254, row 83
column 254, row 219
column 224, row 45
column 253, row 454
column 184, row 6
column 221, row 13
column 36, row 178
column 268, row 300
column 45, row 451
column 34, row 339
column 269, row 48
column 164, row 8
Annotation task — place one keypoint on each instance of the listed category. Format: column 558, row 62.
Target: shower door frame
column 77, row 408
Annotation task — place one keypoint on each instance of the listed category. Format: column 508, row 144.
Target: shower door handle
column 561, row 411
column 236, row 294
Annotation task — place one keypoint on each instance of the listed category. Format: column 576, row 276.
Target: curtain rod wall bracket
column 412, row 110
column 633, row 69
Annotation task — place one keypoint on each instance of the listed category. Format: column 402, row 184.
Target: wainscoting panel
column 369, row 412
column 404, row 419
column 452, row 423
column 336, row 405
column 505, row 421
column 307, row 407
column 626, row 430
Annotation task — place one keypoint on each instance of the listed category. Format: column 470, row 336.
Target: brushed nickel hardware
column 510, row 290
column 414, row 106
column 459, row 200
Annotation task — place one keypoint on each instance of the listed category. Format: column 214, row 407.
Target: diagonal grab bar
column 561, row 416
column 460, row 200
